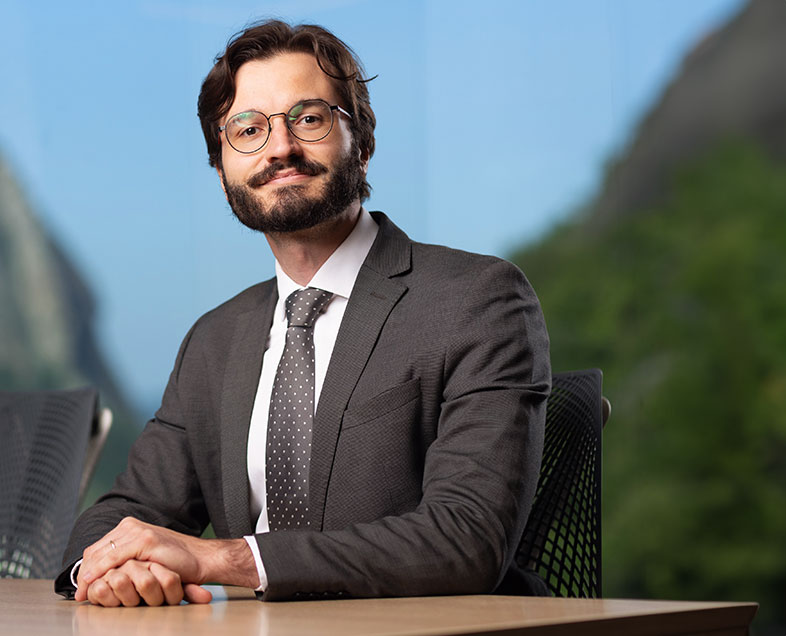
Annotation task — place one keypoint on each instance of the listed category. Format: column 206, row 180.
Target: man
column 369, row 422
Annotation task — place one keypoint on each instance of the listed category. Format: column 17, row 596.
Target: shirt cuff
column 75, row 569
column 252, row 543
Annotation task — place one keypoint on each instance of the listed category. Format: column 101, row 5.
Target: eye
column 307, row 120
column 250, row 131
column 309, row 116
column 249, row 125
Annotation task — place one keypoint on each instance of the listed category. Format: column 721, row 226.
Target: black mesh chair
column 50, row 443
column 562, row 540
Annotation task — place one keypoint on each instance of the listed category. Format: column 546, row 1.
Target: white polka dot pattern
column 292, row 414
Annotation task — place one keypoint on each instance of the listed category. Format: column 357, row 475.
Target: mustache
column 302, row 165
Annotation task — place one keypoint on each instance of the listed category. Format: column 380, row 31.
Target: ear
column 364, row 157
column 221, row 180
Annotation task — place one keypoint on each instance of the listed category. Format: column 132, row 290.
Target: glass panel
column 247, row 131
column 311, row 120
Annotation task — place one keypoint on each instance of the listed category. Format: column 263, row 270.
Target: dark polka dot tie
column 292, row 414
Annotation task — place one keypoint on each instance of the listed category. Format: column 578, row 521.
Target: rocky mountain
column 731, row 85
column 671, row 282
column 47, row 337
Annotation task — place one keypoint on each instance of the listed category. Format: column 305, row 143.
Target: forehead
column 276, row 83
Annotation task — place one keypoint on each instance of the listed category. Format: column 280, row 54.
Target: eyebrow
column 300, row 101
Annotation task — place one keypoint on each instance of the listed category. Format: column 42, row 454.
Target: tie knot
column 304, row 305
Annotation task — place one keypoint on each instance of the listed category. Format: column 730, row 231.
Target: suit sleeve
column 159, row 485
column 480, row 472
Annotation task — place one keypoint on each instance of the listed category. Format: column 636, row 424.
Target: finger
column 105, row 544
column 122, row 587
column 99, row 558
column 197, row 594
column 99, row 593
column 81, row 591
column 169, row 581
column 113, row 549
column 147, row 586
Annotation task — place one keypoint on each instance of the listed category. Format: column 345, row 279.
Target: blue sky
column 495, row 119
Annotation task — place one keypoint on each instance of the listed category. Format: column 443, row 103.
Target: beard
column 292, row 209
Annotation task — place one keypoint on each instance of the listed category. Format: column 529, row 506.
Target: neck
column 301, row 254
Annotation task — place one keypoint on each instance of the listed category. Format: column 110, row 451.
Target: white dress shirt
column 337, row 275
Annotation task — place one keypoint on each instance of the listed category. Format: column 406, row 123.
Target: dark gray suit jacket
column 427, row 437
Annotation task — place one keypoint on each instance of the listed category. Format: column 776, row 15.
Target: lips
column 286, row 176
column 282, row 172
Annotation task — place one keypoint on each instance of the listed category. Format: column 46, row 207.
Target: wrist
column 232, row 563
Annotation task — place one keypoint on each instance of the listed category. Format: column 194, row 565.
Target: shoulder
column 396, row 255
column 475, row 293
column 217, row 324
column 440, row 265
column 442, row 256
column 253, row 298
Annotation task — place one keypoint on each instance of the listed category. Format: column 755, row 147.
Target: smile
column 286, row 177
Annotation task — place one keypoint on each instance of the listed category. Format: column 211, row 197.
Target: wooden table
column 31, row 607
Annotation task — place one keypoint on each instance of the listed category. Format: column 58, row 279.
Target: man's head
column 273, row 39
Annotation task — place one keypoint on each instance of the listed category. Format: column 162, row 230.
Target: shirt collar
column 338, row 273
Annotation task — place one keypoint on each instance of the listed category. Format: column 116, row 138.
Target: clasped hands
column 137, row 561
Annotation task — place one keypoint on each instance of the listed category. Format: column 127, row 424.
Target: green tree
column 683, row 306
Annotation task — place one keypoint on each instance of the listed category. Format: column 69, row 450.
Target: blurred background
column 629, row 156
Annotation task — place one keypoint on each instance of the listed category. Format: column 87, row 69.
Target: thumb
column 196, row 594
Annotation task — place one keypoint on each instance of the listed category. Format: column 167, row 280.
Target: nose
column 282, row 143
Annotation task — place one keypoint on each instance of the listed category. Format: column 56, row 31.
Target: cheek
column 343, row 142
column 237, row 167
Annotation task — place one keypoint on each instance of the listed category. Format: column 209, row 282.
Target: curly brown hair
column 272, row 37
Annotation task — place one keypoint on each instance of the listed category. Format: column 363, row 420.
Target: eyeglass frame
column 332, row 108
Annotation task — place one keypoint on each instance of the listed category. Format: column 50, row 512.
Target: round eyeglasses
column 310, row 120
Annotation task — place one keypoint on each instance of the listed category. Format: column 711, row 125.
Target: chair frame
column 52, row 443
column 562, row 539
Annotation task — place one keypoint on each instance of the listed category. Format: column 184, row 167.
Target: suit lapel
column 373, row 297
column 241, row 378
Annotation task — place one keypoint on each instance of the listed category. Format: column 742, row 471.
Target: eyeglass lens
column 308, row 121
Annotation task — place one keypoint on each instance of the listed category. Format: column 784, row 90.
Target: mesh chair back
column 42, row 453
column 562, row 540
